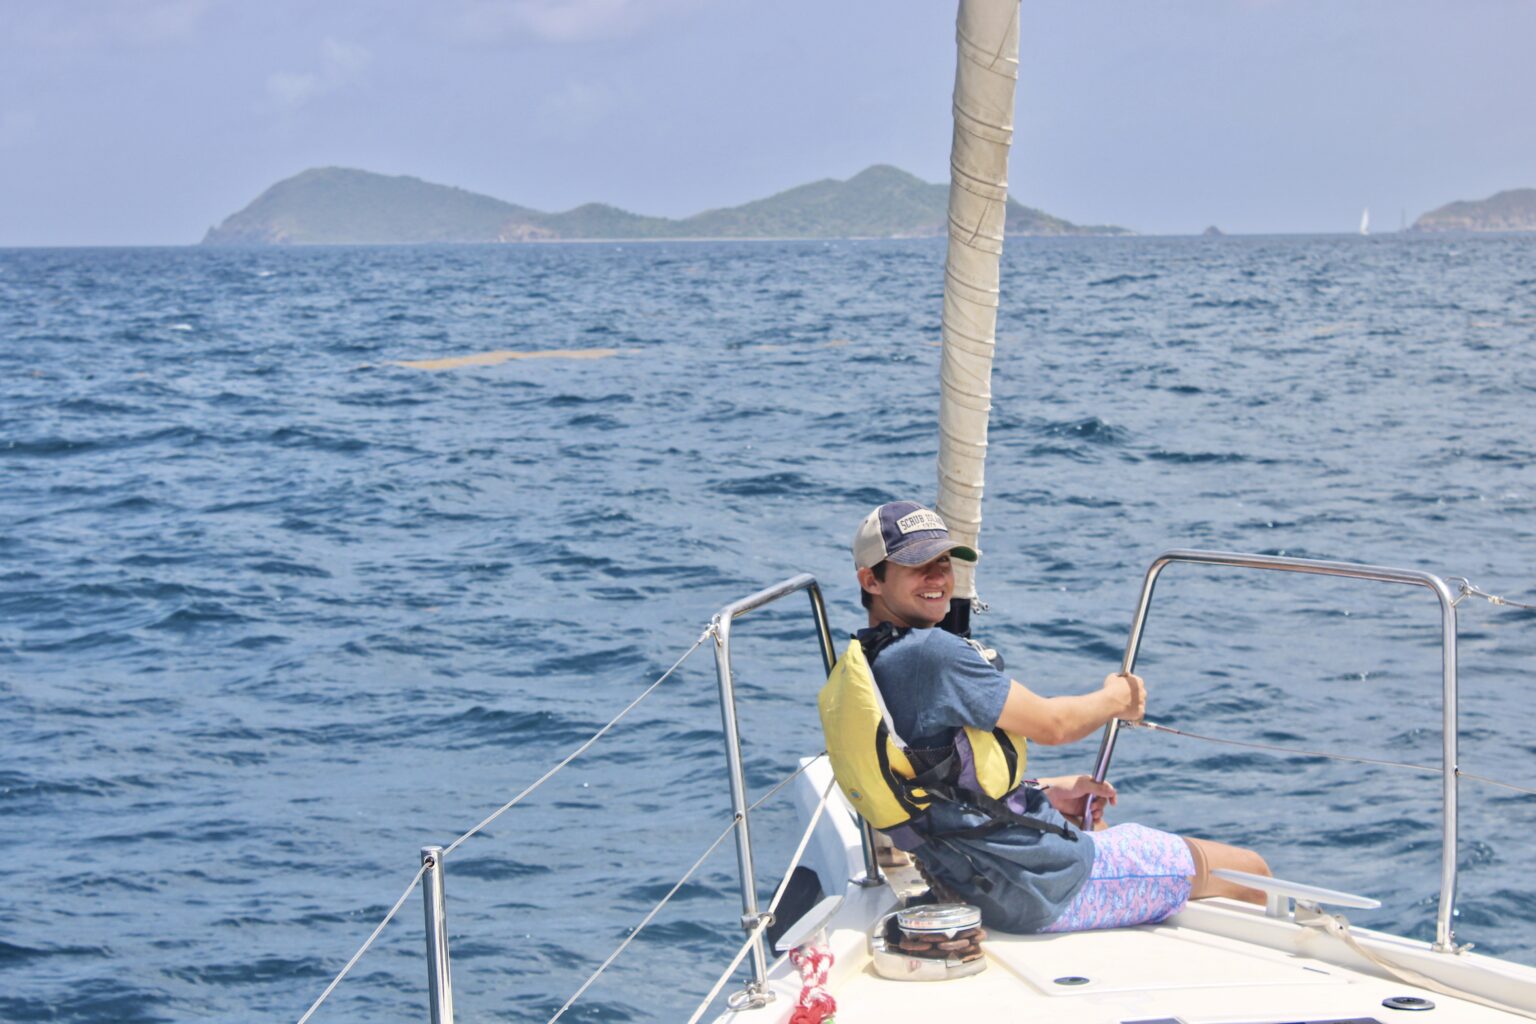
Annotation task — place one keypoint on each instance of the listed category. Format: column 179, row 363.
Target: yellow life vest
column 875, row 772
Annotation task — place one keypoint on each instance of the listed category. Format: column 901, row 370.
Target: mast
column 986, row 75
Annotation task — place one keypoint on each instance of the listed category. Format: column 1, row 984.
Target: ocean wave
column 1091, row 429
column 91, row 999
column 1123, row 279
column 1196, row 458
column 306, row 437
column 494, row 869
column 765, row 485
column 55, row 447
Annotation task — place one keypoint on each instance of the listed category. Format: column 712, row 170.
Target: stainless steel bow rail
column 756, row 992
column 1444, row 936
column 439, row 980
column 431, row 875
column 754, row 921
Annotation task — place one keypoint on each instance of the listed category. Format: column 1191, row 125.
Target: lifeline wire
column 1286, row 750
column 502, row 810
column 1495, row 782
column 1469, row 589
column 1426, row 769
column 786, row 781
column 364, row 947
column 644, row 921
column 773, row 904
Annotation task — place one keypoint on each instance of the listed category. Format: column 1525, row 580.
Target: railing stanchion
column 1445, row 936
column 757, row 993
column 434, row 902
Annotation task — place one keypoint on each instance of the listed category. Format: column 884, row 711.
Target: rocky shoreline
column 1514, row 210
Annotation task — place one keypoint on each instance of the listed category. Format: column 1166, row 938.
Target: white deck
column 1185, row 970
column 1215, row 962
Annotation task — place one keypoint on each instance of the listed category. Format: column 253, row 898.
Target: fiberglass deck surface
column 1144, row 974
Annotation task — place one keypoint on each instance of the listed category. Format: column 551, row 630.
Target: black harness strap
column 1000, row 813
column 1010, row 752
column 881, row 637
column 938, row 780
column 899, row 785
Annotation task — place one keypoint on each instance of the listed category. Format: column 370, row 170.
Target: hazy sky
column 146, row 121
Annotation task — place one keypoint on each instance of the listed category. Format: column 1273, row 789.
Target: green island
column 342, row 206
column 1514, row 210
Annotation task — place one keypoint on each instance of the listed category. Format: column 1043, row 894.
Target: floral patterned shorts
column 1140, row 876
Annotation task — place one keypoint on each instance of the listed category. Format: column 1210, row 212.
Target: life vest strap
column 938, row 780
column 998, row 810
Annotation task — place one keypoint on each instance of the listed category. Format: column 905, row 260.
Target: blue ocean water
column 276, row 612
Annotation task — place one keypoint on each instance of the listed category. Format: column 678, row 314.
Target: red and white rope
column 815, row 1005
column 773, row 905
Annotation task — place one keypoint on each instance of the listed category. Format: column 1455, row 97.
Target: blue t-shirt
column 933, row 682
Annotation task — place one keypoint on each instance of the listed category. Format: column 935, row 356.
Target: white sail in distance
column 986, row 76
column 1365, row 221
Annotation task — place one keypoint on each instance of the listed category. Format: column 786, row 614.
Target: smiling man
column 977, row 827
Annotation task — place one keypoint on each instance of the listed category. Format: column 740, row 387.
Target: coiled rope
column 504, row 808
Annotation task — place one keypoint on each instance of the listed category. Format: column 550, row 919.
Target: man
column 1024, row 877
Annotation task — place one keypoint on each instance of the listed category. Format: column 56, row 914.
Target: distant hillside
column 340, row 206
column 334, row 205
column 1514, row 210
column 878, row 202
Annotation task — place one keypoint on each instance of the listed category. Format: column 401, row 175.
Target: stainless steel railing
column 757, row 993
column 430, row 874
column 1444, row 935
column 434, row 905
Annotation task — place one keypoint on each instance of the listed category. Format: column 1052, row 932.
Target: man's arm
column 1054, row 720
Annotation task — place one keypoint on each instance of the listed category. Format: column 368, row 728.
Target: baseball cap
column 906, row 533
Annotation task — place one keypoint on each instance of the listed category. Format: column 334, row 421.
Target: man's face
column 911, row 595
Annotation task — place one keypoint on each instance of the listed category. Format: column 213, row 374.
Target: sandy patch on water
column 502, row 356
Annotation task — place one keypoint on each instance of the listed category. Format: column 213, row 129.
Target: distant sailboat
column 1365, row 221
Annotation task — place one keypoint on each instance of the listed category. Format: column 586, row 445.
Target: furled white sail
column 986, row 72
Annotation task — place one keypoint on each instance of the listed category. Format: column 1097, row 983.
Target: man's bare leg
column 1209, row 855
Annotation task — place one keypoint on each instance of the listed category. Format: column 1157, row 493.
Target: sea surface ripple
column 276, row 612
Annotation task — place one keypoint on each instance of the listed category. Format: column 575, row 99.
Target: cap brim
column 925, row 551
